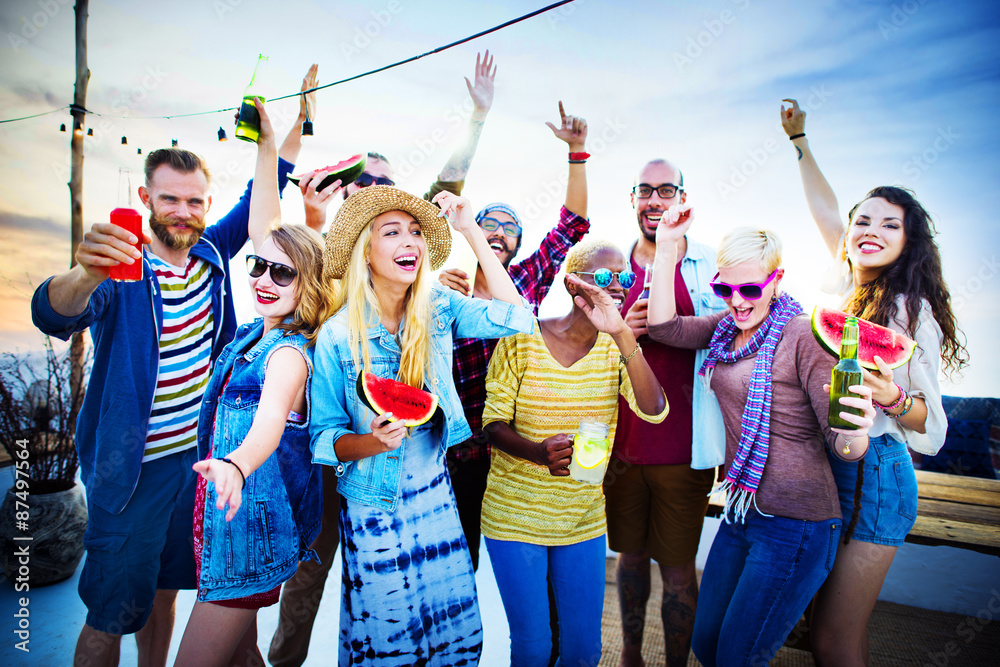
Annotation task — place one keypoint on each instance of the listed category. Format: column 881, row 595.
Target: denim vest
column 281, row 506
column 337, row 410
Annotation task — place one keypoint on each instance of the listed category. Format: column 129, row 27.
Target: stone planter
column 55, row 523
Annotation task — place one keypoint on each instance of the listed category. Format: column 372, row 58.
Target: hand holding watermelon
column 884, row 390
column 388, row 431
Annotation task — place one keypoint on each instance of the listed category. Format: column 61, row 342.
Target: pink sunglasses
column 749, row 291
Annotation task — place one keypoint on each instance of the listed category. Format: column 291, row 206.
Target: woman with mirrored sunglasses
column 258, row 498
column 538, row 522
column 887, row 269
column 782, row 511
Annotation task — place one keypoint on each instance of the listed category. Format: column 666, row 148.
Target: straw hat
column 368, row 203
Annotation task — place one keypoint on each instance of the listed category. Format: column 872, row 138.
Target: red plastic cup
column 130, row 220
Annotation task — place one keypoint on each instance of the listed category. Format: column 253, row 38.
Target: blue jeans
column 577, row 575
column 888, row 494
column 758, row 579
column 148, row 546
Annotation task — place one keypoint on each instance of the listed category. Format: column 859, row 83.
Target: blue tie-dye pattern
column 409, row 589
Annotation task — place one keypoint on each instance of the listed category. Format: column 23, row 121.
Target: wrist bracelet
column 578, row 162
column 898, row 402
column 796, row 136
column 625, row 359
column 907, row 405
column 575, row 158
column 233, row 463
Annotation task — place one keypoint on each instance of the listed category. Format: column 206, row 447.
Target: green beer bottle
column 248, row 125
column 847, row 372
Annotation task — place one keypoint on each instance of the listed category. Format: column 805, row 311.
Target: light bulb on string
column 124, row 141
column 222, row 134
column 307, row 127
column 173, row 143
column 62, row 128
column 77, row 128
column 90, row 131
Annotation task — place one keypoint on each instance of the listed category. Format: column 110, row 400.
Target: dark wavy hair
column 916, row 274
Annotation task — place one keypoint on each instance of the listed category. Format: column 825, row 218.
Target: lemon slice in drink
column 589, row 454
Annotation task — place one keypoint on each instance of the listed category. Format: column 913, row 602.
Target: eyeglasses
column 603, row 277
column 749, row 291
column 666, row 191
column 366, row 179
column 281, row 275
column 492, row 224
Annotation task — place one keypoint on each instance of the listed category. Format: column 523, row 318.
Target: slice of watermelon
column 411, row 406
column 347, row 171
column 893, row 347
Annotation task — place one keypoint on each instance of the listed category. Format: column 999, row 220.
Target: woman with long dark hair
column 891, row 275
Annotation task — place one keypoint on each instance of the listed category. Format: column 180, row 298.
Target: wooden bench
column 952, row 510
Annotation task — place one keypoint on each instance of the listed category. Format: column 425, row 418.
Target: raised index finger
column 562, row 112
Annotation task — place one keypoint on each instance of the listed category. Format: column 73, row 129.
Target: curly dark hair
column 916, row 274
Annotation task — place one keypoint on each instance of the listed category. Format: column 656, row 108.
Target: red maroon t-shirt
column 667, row 443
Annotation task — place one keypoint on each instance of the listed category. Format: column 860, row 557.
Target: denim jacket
column 281, row 506
column 337, row 410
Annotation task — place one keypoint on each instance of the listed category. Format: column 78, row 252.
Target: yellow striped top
column 539, row 398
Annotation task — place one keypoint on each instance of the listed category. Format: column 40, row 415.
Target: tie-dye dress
column 409, row 591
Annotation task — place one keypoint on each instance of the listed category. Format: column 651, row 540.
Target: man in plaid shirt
column 469, row 462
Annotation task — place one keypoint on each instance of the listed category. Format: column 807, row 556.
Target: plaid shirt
column 532, row 277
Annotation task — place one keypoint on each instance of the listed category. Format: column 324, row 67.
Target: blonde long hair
column 356, row 292
column 304, row 247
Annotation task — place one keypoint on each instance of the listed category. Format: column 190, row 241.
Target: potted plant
column 44, row 514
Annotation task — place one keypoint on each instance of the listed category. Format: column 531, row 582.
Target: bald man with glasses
column 660, row 475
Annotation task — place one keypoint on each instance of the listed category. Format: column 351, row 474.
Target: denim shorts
column 888, row 494
column 146, row 547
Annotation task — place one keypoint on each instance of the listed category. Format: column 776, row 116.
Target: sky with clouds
column 901, row 92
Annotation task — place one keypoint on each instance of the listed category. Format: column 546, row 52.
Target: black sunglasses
column 603, row 277
column 366, row 179
column 281, row 275
column 666, row 191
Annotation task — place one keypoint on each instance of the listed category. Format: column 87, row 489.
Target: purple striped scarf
column 744, row 474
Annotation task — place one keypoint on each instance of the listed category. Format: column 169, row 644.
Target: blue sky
column 897, row 93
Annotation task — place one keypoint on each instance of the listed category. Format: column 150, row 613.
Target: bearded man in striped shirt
column 155, row 340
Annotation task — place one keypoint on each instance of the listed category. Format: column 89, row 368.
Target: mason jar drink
column 591, row 450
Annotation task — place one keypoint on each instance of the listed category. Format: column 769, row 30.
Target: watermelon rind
column 894, row 348
column 348, row 172
column 382, row 402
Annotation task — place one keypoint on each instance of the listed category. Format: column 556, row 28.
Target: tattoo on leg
column 679, row 604
column 633, row 593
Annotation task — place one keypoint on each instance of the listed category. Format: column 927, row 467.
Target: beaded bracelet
column 898, row 402
column 233, row 463
column 907, row 405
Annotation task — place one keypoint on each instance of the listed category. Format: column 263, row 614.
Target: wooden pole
column 77, row 343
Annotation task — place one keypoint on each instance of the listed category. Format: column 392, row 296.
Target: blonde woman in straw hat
column 409, row 588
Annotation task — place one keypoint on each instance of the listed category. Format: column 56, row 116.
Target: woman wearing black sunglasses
column 253, row 439
column 538, row 522
column 782, row 513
